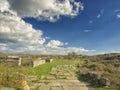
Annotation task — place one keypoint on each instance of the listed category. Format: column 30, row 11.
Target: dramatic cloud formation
column 14, row 29
column 46, row 9
column 14, row 32
column 18, row 36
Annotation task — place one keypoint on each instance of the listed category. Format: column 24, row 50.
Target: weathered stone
column 25, row 86
column 37, row 62
column 56, row 88
column 61, row 77
column 50, row 77
column 69, row 83
column 6, row 88
column 14, row 60
column 67, row 74
column 43, row 77
column 31, row 78
column 35, row 86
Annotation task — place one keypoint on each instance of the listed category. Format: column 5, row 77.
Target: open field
column 61, row 70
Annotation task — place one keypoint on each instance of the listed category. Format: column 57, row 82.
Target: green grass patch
column 44, row 69
column 104, row 88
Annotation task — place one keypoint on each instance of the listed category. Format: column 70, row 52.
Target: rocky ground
column 62, row 77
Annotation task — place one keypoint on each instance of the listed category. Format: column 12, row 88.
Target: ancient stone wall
column 38, row 62
column 13, row 60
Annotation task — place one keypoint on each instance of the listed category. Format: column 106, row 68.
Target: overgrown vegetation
column 9, row 78
column 101, row 73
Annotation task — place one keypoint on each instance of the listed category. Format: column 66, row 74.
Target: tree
column 71, row 55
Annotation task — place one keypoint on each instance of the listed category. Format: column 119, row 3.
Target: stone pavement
column 62, row 77
column 62, row 85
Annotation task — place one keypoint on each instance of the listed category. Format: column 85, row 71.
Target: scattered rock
column 25, row 86
column 50, row 77
column 31, row 78
column 43, row 77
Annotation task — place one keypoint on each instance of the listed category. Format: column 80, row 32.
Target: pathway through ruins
column 62, row 77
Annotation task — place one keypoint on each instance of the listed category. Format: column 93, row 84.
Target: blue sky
column 95, row 28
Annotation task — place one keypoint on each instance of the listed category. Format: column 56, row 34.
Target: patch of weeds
column 35, row 81
column 105, row 88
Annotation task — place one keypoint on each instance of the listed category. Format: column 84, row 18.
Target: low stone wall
column 11, row 60
column 16, row 60
column 38, row 62
column 48, row 60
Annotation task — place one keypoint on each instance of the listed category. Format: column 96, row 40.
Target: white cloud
column 18, row 36
column 117, row 10
column 87, row 31
column 118, row 15
column 4, row 5
column 98, row 16
column 14, row 29
column 55, row 44
column 46, row 9
column 3, row 46
column 62, row 50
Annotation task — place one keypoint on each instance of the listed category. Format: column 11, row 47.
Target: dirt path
column 62, row 77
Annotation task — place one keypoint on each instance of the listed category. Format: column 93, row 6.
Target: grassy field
column 45, row 68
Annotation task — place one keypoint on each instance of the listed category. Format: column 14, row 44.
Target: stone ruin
column 37, row 62
column 40, row 61
column 11, row 60
column 16, row 60
column 47, row 60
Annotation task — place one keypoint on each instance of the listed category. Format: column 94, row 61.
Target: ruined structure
column 48, row 60
column 37, row 62
column 14, row 60
column 40, row 61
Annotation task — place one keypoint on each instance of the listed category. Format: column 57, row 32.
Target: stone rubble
column 62, row 77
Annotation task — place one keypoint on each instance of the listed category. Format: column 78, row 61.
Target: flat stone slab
column 63, row 85
column 6, row 88
column 50, row 77
column 57, row 88
column 62, row 77
column 31, row 78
